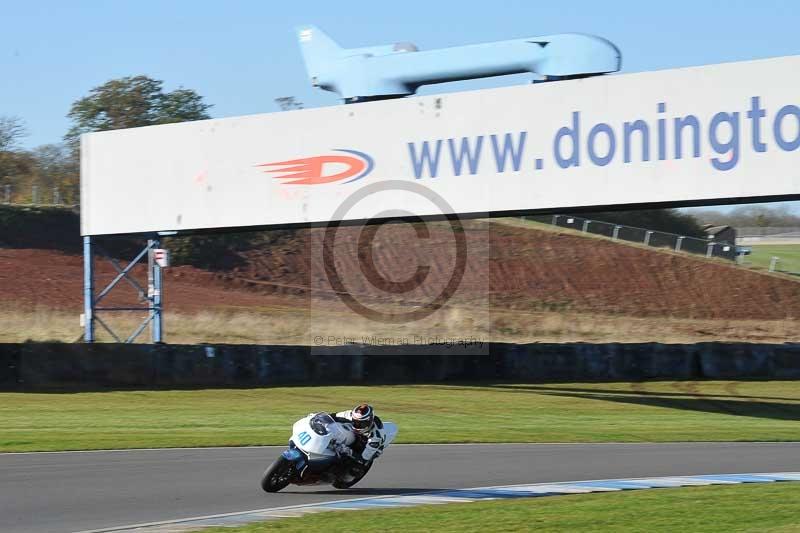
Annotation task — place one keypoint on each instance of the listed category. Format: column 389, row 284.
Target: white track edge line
column 432, row 491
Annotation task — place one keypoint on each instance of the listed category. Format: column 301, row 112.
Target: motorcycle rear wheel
column 277, row 476
column 346, row 485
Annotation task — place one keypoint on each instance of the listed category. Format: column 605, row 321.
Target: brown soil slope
column 525, row 268
column 47, row 279
column 506, row 266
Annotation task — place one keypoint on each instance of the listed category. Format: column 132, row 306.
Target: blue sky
column 240, row 55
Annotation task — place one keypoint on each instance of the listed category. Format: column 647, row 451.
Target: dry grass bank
column 288, row 325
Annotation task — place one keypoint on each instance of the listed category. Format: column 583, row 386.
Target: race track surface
column 69, row 492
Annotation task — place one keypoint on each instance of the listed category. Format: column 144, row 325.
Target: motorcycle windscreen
column 321, row 423
column 310, row 440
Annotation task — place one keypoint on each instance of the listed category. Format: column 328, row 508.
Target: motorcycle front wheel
column 277, row 476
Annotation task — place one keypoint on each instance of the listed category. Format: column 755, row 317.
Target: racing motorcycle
column 316, row 454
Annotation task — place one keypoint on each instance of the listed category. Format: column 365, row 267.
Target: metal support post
column 8, row 193
column 555, row 220
column 647, row 238
column 773, row 263
column 88, row 290
column 585, row 227
column 35, row 195
column 615, row 235
column 710, row 249
column 154, row 291
column 679, row 243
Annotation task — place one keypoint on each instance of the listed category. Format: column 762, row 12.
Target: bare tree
column 288, row 103
column 12, row 130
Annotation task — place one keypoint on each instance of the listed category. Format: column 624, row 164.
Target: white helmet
column 363, row 418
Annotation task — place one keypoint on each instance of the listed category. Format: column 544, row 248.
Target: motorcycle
column 315, row 455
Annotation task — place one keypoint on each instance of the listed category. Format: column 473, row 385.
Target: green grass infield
column 768, row 508
column 599, row 412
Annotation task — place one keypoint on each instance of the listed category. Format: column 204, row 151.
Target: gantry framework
column 150, row 297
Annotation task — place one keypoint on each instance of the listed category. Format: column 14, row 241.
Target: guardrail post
column 647, row 238
column 710, row 249
column 8, row 193
column 615, row 234
column 585, row 227
column 154, row 290
column 88, row 290
column 35, row 195
column 679, row 243
column 773, row 263
column 555, row 220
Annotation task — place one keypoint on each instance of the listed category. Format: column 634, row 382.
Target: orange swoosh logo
column 312, row 170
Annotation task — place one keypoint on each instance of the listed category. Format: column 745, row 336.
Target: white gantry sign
column 700, row 134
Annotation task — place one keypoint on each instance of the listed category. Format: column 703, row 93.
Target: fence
column 38, row 196
column 657, row 239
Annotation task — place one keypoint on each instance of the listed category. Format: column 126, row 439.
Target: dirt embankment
column 527, row 269
column 506, row 266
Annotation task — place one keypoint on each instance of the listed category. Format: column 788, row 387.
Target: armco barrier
column 53, row 366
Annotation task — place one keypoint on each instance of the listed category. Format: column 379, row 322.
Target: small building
column 725, row 236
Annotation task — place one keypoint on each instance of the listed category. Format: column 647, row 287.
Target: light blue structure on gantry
column 396, row 70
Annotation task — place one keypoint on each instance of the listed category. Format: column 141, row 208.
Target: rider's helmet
column 363, row 417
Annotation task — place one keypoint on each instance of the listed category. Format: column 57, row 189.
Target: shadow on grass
column 690, row 391
column 689, row 401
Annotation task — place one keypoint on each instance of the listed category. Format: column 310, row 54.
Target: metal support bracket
column 151, row 297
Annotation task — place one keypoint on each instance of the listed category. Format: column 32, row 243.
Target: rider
column 367, row 430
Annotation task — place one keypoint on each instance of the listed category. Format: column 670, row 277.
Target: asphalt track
column 54, row 492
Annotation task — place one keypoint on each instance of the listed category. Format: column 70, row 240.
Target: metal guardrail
column 672, row 241
column 646, row 237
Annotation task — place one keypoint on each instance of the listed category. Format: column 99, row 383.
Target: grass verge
column 607, row 412
column 757, row 508
column 288, row 325
column 788, row 256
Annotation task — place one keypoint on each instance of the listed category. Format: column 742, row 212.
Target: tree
column 288, row 103
column 752, row 215
column 131, row 102
column 15, row 164
column 55, row 167
column 11, row 131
